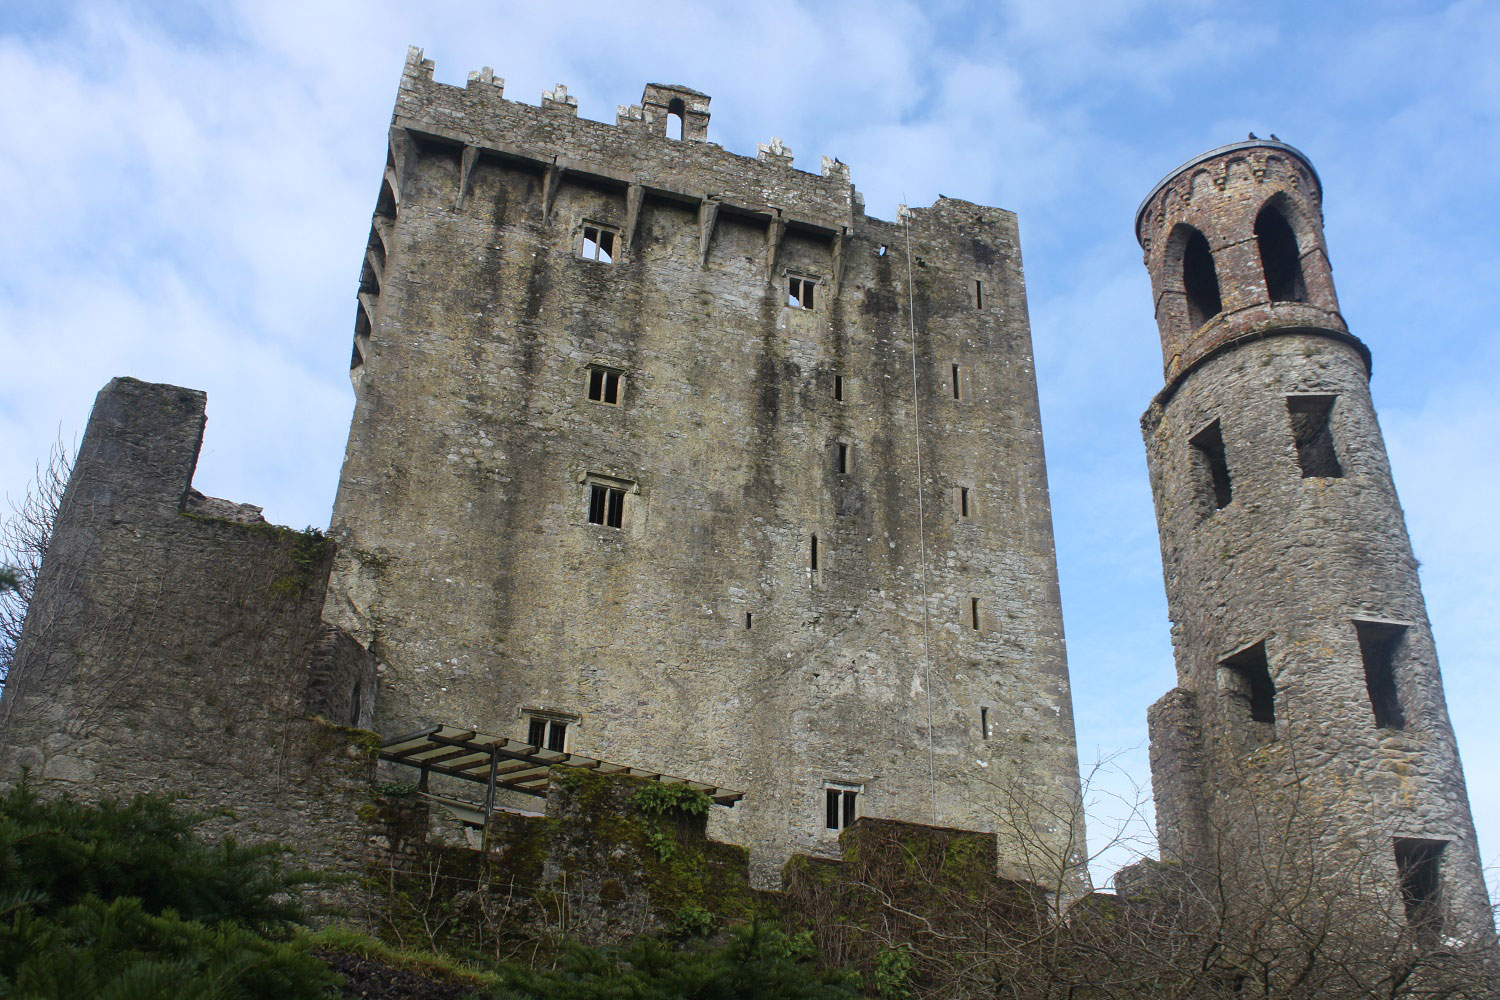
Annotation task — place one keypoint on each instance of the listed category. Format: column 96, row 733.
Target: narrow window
column 1200, row 281
column 1314, row 436
column 881, row 251
column 974, row 613
column 606, row 505
column 748, row 620
column 813, row 556
column 1378, row 644
column 839, row 806
column 838, row 388
column 598, row 244
column 1250, row 685
column 674, row 118
column 536, row 732
column 800, row 291
column 984, row 723
column 843, row 458
column 978, row 294
column 963, row 501
column 1280, row 259
column 1211, row 469
column 957, row 382
column 1419, row 863
column 604, row 384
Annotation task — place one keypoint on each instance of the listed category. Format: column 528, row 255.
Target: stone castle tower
column 677, row 458
column 1305, row 661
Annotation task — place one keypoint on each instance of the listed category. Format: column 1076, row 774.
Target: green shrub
column 757, row 963
column 124, row 900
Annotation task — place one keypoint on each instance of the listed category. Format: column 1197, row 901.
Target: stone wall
column 697, row 638
column 167, row 647
column 1284, row 549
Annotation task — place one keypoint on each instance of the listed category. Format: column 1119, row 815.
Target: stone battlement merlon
column 632, row 152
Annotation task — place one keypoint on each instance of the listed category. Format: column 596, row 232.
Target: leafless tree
column 24, row 535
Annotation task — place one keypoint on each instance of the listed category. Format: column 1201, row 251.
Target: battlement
column 635, row 150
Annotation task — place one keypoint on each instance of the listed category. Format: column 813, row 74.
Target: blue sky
column 187, row 192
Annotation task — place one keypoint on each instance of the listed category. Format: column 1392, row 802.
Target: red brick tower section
column 1309, row 704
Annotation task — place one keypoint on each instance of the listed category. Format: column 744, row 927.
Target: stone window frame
column 848, row 807
column 548, row 717
column 581, row 239
column 606, row 370
column 788, row 275
column 632, row 489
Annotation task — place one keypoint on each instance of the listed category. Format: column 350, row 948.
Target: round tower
column 1307, row 679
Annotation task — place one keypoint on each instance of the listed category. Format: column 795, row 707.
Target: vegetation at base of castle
column 124, row 900
column 757, row 962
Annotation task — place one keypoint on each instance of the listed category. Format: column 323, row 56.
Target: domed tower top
column 1234, row 243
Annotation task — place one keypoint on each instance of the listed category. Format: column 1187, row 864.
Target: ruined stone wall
column 167, row 647
column 1282, row 550
column 468, row 565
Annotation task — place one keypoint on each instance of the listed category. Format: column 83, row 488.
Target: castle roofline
column 679, row 88
column 1220, row 151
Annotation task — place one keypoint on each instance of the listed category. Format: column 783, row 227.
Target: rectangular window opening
column 749, row 620
column 1251, row 684
column 604, row 384
column 984, row 723
column 1211, row 468
column 957, row 382
column 978, row 294
column 606, row 505
column 800, row 291
column 963, row 501
column 843, row 458
column 974, row 613
column 1313, row 436
column 598, row 244
column 839, row 806
column 1419, row 863
column 547, row 734
column 1379, row 643
column 813, row 554
column 838, row 388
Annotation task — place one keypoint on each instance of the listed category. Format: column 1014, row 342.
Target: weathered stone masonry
column 697, row 637
column 1304, row 655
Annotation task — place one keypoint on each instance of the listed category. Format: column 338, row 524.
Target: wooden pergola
column 500, row 762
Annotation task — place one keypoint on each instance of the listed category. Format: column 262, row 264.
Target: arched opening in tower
column 1200, row 280
column 1279, row 256
column 674, row 118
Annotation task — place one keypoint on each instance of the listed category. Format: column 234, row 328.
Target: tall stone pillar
column 1309, row 702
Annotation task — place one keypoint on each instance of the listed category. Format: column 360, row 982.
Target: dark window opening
column 355, row 697
column 984, row 723
column 800, row 292
column 1419, row 863
column 1279, row 257
column 813, row 554
column 838, row 388
column 1211, row 468
column 1251, row 683
column 1314, row 436
column 604, row 385
column 748, row 619
column 1378, row 644
column 606, row 505
column 547, row 734
column 974, row 613
column 963, row 501
column 881, row 251
column 978, row 294
column 957, row 382
column 843, row 458
column 674, row 118
column 1200, row 280
column 839, row 807
column 598, row 244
